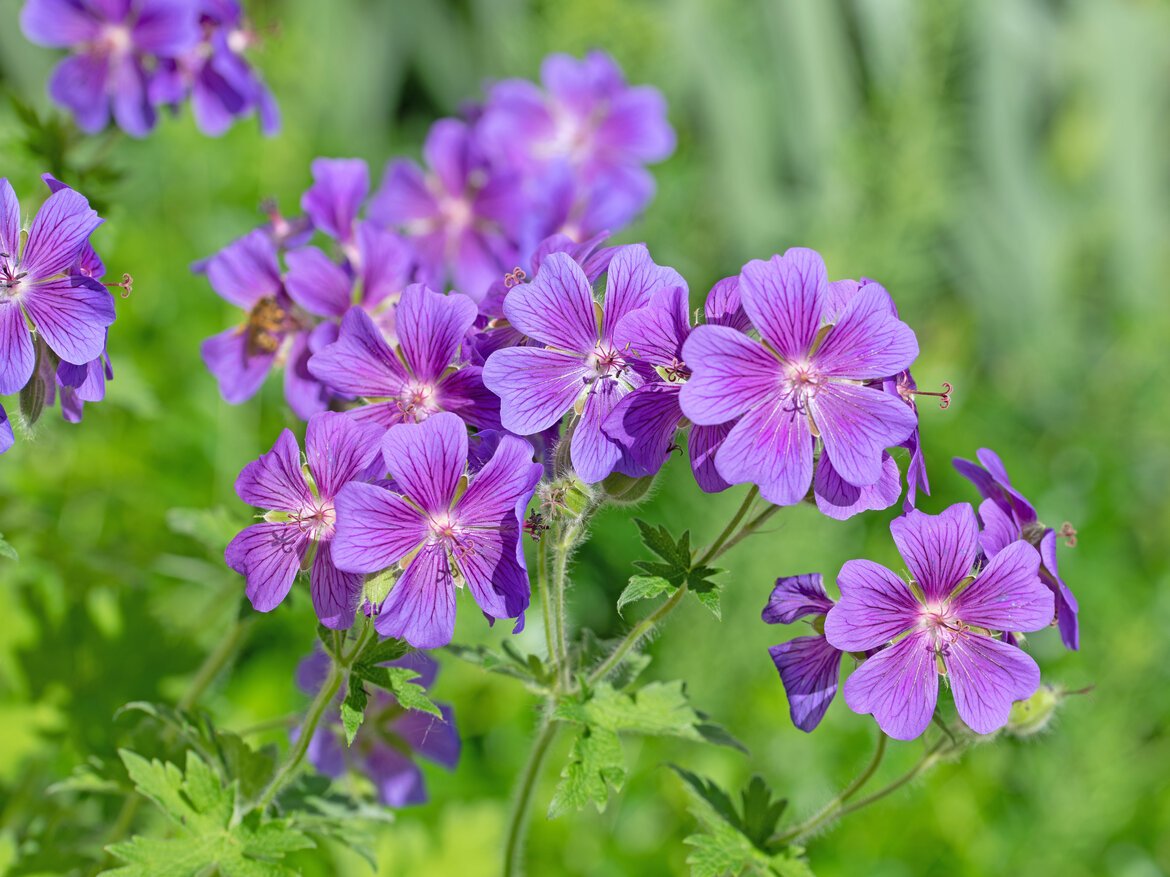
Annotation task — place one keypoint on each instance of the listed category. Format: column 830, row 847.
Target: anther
column 534, row 526
column 514, row 277
column 126, row 285
column 944, row 397
column 1068, row 533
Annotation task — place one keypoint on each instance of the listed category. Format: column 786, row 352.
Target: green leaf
column 530, row 669
column 316, row 806
column 380, row 651
column 710, row 599
column 353, row 708
column 643, row 588
column 595, row 764
column 6, row 550
column 397, row 680
column 207, row 834
column 675, row 566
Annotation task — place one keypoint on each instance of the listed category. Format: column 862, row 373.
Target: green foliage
column 675, row 568
column 367, row 668
column 738, row 842
column 211, row 832
column 507, row 661
column 6, row 550
column 596, row 764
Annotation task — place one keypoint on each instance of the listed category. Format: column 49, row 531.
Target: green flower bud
column 626, row 490
column 1031, row 716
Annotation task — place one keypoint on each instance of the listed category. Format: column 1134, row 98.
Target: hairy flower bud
column 1031, row 716
column 626, row 490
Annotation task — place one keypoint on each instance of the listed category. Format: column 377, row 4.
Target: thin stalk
column 518, row 822
column 827, row 812
column 748, row 529
column 838, row 809
column 565, row 545
column 713, row 552
column 631, row 639
column 297, row 754
column 546, row 599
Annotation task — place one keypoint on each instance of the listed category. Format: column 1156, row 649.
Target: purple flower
column 803, row 380
column 390, row 738
column 809, row 666
column 7, row 439
column 332, row 203
column 943, row 622
column 459, row 217
column 302, row 515
column 115, row 44
column 427, row 378
column 1007, row 516
column 586, row 136
column 39, row 284
column 439, row 532
column 581, row 366
column 280, row 327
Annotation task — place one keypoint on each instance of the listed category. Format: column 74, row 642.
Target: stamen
column 514, row 277
column 944, row 397
column 126, row 285
column 534, row 526
column 1068, row 533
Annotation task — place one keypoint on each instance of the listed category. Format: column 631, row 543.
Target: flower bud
column 1031, row 716
column 626, row 490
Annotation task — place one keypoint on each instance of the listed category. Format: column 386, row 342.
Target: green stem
column 713, row 552
column 566, row 542
column 827, row 812
column 518, row 823
column 837, row 808
column 748, row 529
column 631, row 639
column 546, row 599
column 297, row 754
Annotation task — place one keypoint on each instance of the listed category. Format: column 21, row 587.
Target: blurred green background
column 1000, row 166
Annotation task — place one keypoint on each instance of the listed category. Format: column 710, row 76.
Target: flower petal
column 60, row 229
column 656, row 333
column 403, row 196
column 785, row 298
column 71, row 315
column 536, row 387
column 632, row 281
column 770, row 446
column 875, row 607
column 731, row 374
column 333, row 201
column 427, row 459
column 724, row 307
column 508, row 477
column 809, row 668
column 399, row 780
column 275, row 480
column 238, row 375
column 433, row 738
column 857, row 424
column 704, row 443
column 9, row 220
column 644, row 424
column 420, row 608
column 375, row 528
column 430, row 328
column 335, row 593
column 556, row 308
column 17, row 356
column 463, row 392
column 986, row 677
column 594, row 454
column 1066, row 603
column 339, row 450
column 939, row 550
column 840, row 500
column 1008, row 594
column 268, row 555
column 359, row 362
column 58, row 24
column 898, row 686
column 796, row 597
column 999, row 528
column 867, row 342
column 246, row 270
column 317, row 283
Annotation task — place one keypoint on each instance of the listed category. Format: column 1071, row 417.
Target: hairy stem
column 546, row 599
column 830, row 810
column 632, row 638
column 312, row 718
column 566, row 542
column 714, row 551
column 838, row 808
column 518, row 822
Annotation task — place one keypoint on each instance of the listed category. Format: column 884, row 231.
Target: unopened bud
column 625, row 489
column 1031, row 716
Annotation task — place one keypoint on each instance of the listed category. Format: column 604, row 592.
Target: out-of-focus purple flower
column 41, row 284
column 280, row 327
column 809, row 666
column 301, row 514
column 390, row 738
column 583, row 140
column 803, row 380
column 581, row 366
column 1007, row 516
column 443, row 530
column 944, row 622
column 130, row 57
column 7, row 439
column 429, row 375
column 460, row 218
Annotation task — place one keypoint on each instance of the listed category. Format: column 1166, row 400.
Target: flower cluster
column 54, row 308
column 129, row 58
column 528, row 172
column 386, row 753
column 975, row 585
